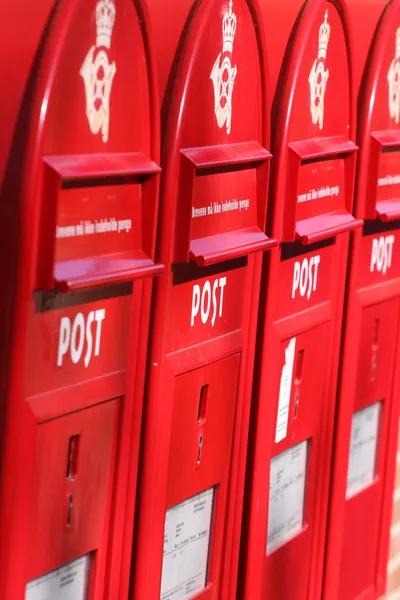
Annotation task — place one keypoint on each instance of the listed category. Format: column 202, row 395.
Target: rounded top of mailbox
column 214, row 154
column 380, row 92
column 91, row 142
column 96, row 79
column 313, row 174
column 218, row 89
column 316, row 82
column 378, row 181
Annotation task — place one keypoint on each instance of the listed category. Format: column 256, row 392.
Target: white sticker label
column 363, row 447
column 286, row 495
column 186, row 546
column 67, row 583
column 284, row 392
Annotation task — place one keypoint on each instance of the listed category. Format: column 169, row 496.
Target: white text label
column 205, row 301
column 75, row 336
column 381, row 254
column 305, row 276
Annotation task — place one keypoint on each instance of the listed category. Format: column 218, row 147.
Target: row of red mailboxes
column 181, row 446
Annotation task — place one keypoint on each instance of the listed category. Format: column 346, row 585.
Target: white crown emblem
column 228, row 29
column 105, row 18
column 393, row 78
column 323, row 37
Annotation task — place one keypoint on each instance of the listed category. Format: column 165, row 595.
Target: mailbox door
column 213, row 208
column 368, row 448
column 293, row 468
column 79, row 205
column 299, row 333
column 200, row 450
column 367, row 421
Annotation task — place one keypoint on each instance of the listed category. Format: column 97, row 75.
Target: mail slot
column 213, row 209
column 368, row 414
column 79, row 205
column 291, row 432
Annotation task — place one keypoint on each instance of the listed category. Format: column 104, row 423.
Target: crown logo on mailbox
column 98, row 73
column 393, row 78
column 228, row 29
column 319, row 75
column 323, row 37
column 105, row 18
column 223, row 74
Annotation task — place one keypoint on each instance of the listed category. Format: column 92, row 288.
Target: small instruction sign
column 286, row 495
column 186, row 547
column 66, row 583
column 363, row 447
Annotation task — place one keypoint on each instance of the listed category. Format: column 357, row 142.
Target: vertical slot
column 299, row 365
column 202, row 412
column 297, row 381
column 375, row 347
column 72, row 459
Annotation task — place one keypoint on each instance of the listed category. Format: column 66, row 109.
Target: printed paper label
column 67, row 583
column 286, row 495
column 186, row 546
column 363, row 447
column 284, row 392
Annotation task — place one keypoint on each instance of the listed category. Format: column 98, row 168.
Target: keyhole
column 200, row 450
column 70, row 507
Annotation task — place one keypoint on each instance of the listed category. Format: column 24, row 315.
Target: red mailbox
column 299, row 336
column 213, row 207
column 368, row 410
column 78, row 211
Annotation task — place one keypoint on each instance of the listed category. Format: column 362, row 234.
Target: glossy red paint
column 75, row 313
column 303, row 286
column 213, row 208
column 368, row 409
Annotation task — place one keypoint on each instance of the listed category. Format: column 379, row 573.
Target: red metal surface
column 213, row 207
column 303, row 284
column 73, row 364
column 357, row 548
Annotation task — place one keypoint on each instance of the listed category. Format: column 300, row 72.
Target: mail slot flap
column 320, row 189
column 383, row 190
column 74, row 473
column 322, row 148
column 98, row 219
column 206, row 251
column 227, row 155
column 222, row 202
column 101, row 166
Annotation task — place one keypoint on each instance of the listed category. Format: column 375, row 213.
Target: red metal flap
column 227, row 155
column 388, row 210
column 93, row 166
column 225, row 246
column 225, row 216
column 383, row 186
column 387, row 139
column 325, row 226
column 99, row 220
column 104, row 270
column 319, row 193
column 323, row 147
